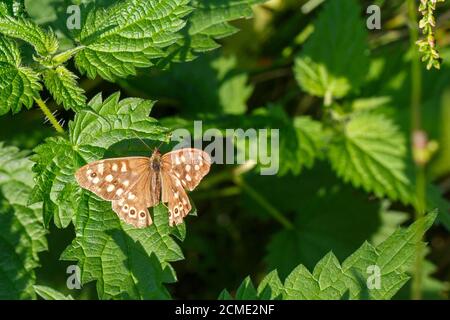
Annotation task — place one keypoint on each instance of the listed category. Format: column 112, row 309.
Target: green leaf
column 371, row 153
column 210, row 84
column 271, row 287
column 64, row 87
column 208, row 23
column 225, row 295
column 432, row 288
column 331, row 280
column 44, row 42
column 127, row 263
column 334, row 60
column 246, row 291
column 311, row 139
column 128, row 35
column 94, row 129
column 23, row 235
column 48, row 293
column 18, row 85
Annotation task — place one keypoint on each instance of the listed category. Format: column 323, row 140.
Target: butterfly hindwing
column 180, row 170
column 174, row 195
column 133, row 206
column 110, row 179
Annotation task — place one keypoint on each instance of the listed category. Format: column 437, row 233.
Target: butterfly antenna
column 160, row 145
column 142, row 141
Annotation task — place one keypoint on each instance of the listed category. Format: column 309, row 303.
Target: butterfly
column 134, row 184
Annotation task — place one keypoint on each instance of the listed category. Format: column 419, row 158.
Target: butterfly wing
column 133, row 206
column 188, row 165
column 129, row 183
column 111, row 178
column 182, row 169
column 174, row 195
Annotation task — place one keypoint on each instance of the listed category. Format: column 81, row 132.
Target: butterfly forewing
column 111, row 178
column 188, row 165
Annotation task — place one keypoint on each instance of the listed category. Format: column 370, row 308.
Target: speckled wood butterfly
column 134, row 184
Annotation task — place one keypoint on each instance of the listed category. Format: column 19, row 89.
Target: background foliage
column 347, row 190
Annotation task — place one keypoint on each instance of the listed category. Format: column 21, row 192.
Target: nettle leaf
column 93, row 130
column 23, row 234
column 18, row 85
column 44, row 42
column 371, row 154
column 332, row 280
column 271, row 287
column 128, row 35
column 311, row 138
column 48, row 293
column 126, row 263
column 301, row 140
column 64, row 87
column 334, row 60
column 208, row 23
column 209, row 84
column 246, row 291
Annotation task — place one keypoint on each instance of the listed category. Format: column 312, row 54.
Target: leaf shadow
column 146, row 271
column 15, row 279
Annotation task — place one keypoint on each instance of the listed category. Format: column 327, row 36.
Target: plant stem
column 416, row 131
column 277, row 215
column 49, row 115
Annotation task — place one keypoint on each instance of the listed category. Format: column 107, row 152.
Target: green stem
column 49, row 115
column 226, row 192
column 277, row 215
column 416, row 127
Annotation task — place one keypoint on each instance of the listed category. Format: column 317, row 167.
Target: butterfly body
column 133, row 184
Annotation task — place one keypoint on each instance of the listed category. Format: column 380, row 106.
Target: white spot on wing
column 188, row 168
column 96, row 180
column 110, row 188
column 188, row 178
column 119, row 192
column 109, row 178
column 115, row 167
column 124, row 167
